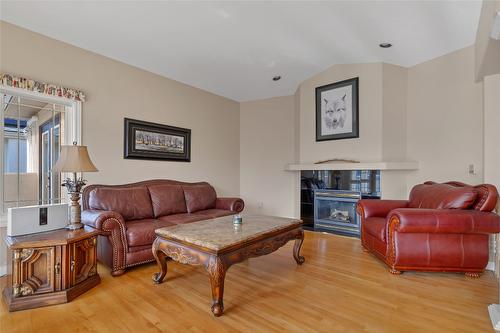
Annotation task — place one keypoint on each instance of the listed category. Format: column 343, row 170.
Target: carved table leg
column 217, row 271
column 296, row 249
column 161, row 259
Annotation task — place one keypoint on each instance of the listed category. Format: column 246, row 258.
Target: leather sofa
column 128, row 215
column 442, row 227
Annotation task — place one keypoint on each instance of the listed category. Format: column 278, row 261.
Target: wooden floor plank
column 338, row 289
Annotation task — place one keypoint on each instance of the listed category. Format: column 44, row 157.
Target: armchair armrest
column 233, row 204
column 378, row 208
column 451, row 221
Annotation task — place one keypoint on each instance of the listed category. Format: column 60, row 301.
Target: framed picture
column 337, row 112
column 144, row 140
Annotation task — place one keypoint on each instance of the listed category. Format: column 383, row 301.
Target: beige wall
column 394, row 102
column 487, row 50
column 445, row 119
column 492, row 130
column 116, row 90
column 368, row 147
column 266, row 145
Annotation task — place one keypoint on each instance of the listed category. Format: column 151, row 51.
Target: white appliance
column 33, row 219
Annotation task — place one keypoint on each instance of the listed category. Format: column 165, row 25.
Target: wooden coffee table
column 217, row 244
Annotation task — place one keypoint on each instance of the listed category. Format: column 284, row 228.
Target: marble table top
column 219, row 233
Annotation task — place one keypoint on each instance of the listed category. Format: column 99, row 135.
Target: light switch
column 472, row 170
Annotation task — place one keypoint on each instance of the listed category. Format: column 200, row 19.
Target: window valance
column 41, row 87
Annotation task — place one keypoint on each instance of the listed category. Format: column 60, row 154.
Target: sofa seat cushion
column 442, row 196
column 199, row 197
column 375, row 226
column 182, row 218
column 167, row 199
column 213, row 213
column 133, row 203
column 142, row 232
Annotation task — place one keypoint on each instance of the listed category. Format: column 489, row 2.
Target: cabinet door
column 33, row 271
column 83, row 260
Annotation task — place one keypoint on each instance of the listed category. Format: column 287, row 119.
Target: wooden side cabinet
column 50, row 267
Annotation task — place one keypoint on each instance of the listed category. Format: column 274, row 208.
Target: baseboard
column 3, row 270
column 490, row 266
column 494, row 310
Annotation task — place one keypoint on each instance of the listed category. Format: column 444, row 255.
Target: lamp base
column 74, row 226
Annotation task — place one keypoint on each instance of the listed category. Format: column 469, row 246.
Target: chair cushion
column 375, row 226
column 167, row 199
column 442, row 196
column 182, row 218
column 133, row 203
column 142, row 232
column 199, row 197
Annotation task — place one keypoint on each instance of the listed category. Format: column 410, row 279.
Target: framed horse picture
column 145, row 140
column 337, row 110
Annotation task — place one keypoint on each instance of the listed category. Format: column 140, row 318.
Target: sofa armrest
column 233, row 204
column 378, row 208
column 112, row 225
column 450, row 221
column 96, row 219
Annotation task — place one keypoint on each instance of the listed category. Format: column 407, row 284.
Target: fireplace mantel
column 407, row 165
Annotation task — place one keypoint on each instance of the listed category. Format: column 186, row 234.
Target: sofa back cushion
column 442, row 196
column 199, row 197
column 167, row 199
column 133, row 203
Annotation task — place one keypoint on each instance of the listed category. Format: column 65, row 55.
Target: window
column 15, row 146
column 33, row 130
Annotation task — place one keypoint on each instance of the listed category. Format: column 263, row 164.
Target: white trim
column 490, row 266
column 494, row 310
column 3, row 270
column 36, row 95
column 495, row 27
column 403, row 165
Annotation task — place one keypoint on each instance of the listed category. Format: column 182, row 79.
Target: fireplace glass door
column 336, row 211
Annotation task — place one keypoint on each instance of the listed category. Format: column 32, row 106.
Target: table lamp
column 74, row 159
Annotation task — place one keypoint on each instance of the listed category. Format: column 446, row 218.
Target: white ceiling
column 233, row 49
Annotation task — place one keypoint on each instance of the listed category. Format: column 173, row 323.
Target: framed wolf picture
column 144, row 140
column 337, row 111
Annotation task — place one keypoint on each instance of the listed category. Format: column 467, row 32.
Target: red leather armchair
column 442, row 227
column 128, row 215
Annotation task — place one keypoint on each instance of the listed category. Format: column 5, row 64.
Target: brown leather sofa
column 442, row 227
column 129, row 214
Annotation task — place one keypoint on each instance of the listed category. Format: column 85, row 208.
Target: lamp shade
column 74, row 159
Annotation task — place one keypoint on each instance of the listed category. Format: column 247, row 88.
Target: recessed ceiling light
column 385, row 45
column 276, row 78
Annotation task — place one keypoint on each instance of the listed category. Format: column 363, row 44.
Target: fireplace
column 329, row 197
column 335, row 211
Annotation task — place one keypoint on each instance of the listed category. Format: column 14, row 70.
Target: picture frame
column 337, row 110
column 153, row 141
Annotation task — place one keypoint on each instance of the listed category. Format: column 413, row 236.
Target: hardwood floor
column 338, row 289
